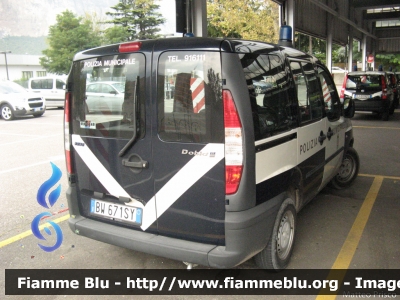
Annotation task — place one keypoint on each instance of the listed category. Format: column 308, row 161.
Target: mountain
column 24, row 25
column 33, row 17
column 23, row 44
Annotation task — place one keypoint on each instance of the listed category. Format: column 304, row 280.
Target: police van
column 190, row 163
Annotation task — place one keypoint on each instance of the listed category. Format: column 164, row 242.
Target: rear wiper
column 136, row 113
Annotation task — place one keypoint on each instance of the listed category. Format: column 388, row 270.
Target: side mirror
column 349, row 108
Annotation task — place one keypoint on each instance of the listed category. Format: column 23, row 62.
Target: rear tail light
column 343, row 88
column 384, row 88
column 233, row 144
column 67, row 139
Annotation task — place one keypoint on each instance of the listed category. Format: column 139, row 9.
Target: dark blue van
column 187, row 161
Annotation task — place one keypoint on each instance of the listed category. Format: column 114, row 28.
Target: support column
column 199, row 13
column 350, row 58
column 329, row 39
column 289, row 17
column 364, row 52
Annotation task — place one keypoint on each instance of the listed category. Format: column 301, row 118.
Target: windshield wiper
column 136, row 115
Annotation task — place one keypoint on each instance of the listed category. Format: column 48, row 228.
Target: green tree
column 139, row 18
column 69, row 35
column 116, row 34
column 388, row 60
column 247, row 19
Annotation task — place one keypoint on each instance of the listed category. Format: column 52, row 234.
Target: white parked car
column 105, row 97
column 338, row 70
column 15, row 101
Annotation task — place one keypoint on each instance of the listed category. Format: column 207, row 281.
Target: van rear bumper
column 377, row 105
column 246, row 234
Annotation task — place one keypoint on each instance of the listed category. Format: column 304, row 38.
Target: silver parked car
column 105, row 97
column 15, row 101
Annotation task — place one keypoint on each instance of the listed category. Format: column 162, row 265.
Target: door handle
column 135, row 164
column 135, row 161
column 329, row 134
column 321, row 138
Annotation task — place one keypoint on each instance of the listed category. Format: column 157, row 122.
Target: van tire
column 276, row 255
column 348, row 170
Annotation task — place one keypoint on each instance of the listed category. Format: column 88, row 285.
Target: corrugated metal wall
column 388, row 40
column 312, row 19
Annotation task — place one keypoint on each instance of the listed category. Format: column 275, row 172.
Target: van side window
column 190, row 97
column 60, row 84
column 329, row 92
column 308, row 91
column 268, row 86
column 46, row 84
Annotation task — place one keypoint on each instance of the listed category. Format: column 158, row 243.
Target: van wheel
column 348, row 170
column 276, row 255
column 7, row 112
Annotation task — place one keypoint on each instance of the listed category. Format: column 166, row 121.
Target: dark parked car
column 393, row 82
column 371, row 90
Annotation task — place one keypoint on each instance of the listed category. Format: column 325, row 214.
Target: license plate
column 116, row 211
column 361, row 97
column 37, row 109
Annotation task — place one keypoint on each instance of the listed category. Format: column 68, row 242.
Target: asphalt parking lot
column 355, row 228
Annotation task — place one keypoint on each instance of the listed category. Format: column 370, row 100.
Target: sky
column 167, row 8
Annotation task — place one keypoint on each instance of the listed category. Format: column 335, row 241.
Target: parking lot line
column 52, row 159
column 29, row 232
column 385, row 177
column 349, row 247
column 33, row 139
column 377, row 127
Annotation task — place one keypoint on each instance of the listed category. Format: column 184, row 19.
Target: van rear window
column 108, row 96
column 367, row 82
column 190, row 97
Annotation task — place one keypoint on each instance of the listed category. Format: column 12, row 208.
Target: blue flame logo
column 47, row 185
column 41, row 199
column 38, row 234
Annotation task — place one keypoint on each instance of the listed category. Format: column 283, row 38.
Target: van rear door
column 111, row 151
column 188, row 147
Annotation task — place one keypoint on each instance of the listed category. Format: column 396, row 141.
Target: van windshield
column 364, row 81
column 108, row 96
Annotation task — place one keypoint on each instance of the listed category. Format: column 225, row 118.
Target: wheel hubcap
column 347, row 169
column 6, row 113
column 285, row 235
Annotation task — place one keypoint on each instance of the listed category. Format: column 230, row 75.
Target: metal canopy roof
column 377, row 21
